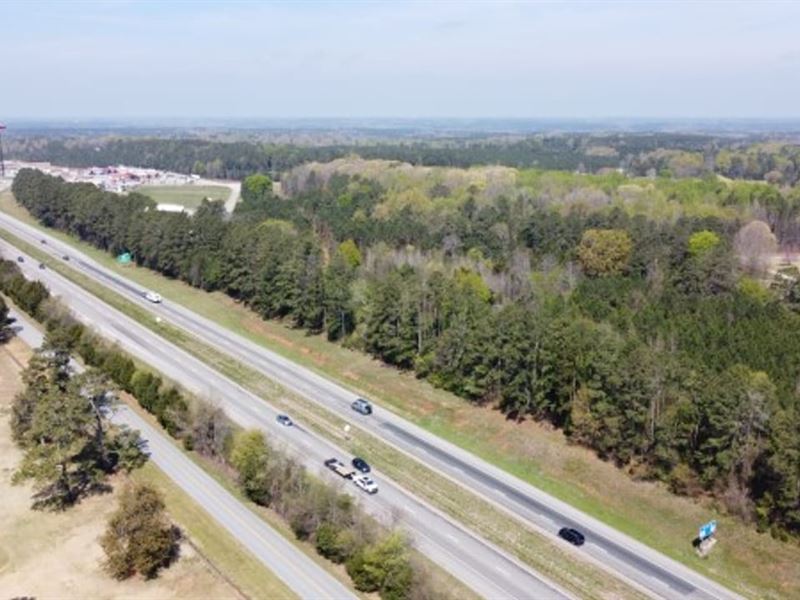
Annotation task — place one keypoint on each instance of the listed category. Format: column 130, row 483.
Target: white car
column 365, row 483
column 153, row 297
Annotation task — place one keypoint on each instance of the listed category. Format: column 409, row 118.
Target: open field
column 189, row 196
column 56, row 555
column 751, row 563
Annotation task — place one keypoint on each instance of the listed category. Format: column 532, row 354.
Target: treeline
column 236, row 160
column 679, row 155
column 377, row 560
column 651, row 341
column 69, row 336
column 774, row 162
column 61, row 419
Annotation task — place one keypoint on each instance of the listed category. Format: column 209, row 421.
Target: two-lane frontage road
column 637, row 562
column 301, row 574
column 488, row 570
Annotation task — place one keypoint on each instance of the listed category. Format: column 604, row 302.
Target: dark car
column 573, row 536
column 41, row 265
column 362, row 406
column 20, row 259
column 65, row 257
column 361, row 465
column 284, row 420
column 44, row 241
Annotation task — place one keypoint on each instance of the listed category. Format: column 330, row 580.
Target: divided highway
column 488, row 570
column 636, row 562
column 301, row 574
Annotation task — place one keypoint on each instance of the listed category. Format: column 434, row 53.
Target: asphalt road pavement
column 658, row 574
column 301, row 574
column 490, row 571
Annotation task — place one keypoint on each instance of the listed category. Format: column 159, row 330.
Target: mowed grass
column 50, row 554
column 189, row 196
column 753, row 564
column 245, row 571
column 565, row 568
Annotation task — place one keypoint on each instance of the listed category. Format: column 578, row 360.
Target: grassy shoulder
column 46, row 553
column 222, row 550
column 189, row 196
column 220, row 545
column 750, row 563
column 530, row 546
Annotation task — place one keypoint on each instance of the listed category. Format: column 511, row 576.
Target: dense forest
column 643, row 316
column 679, row 155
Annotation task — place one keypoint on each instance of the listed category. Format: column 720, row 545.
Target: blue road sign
column 708, row 530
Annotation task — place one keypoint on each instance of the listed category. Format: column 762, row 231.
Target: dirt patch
column 56, row 555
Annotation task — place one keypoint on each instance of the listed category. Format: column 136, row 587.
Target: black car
column 361, row 465
column 44, row 241
column 65, row 257
column 573, row 536
column 41, row 265
column 20, row 259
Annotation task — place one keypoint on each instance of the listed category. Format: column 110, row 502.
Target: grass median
column 454, row 587
column 751, row 563
column 529, row 546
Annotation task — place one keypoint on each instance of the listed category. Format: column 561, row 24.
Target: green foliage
column 702, row 242
column 335, row 543
column 350, row 253
column 60, row 421
column 139, row 538
column 257, row 185
column 383, row 567
column 604, row 251
column 6, row 333
column 475, row 288
column 754, row 290
column 250, row 457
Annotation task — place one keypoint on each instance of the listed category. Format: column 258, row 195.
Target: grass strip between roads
column 752, row 564
column 178, row 337
column 219, row 547
column 531, row 547
column 233, row 562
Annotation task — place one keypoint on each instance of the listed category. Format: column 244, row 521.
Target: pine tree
column 139, row 538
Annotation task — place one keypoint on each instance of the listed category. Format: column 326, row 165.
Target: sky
column 497, row 59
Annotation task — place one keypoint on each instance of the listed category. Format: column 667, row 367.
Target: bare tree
column 755, row 244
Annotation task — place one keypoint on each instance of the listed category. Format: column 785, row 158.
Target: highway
column 488, row 570
column 301, row 574
column 634, row 561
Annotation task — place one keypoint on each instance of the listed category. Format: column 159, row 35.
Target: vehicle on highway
column 362, row 406
column 41, row 265
column 20, row 259
column 153, row 297
column 285, row 420
column 573, row 536
column 65, row 257
column 366, row 483
column 338, row 467
column 361, row 465
column 44, row 241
